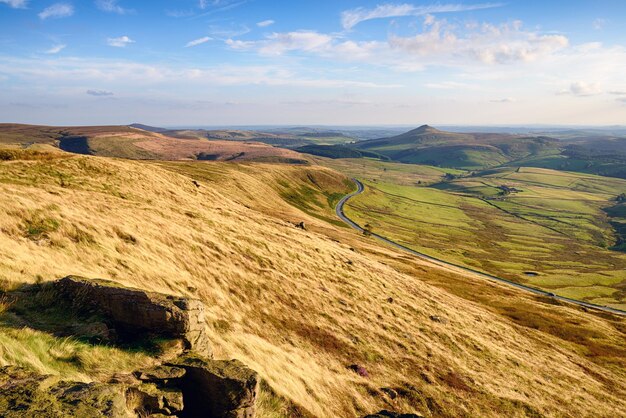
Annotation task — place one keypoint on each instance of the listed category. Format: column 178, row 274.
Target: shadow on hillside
column 41, row 308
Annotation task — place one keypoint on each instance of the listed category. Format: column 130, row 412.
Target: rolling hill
column 135, row 143
column 299, row 306
column 470, row 151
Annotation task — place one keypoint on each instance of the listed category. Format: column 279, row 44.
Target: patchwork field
column 535, row 226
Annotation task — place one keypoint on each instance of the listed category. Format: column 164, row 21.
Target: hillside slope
column 298, row 306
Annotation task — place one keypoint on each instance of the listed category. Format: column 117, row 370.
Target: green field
column 550, row 231
column 388, row 172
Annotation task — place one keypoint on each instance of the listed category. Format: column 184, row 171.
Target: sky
column 342, row 62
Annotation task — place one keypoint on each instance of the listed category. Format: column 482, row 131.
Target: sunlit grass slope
column 298, row 306
column 551, row 232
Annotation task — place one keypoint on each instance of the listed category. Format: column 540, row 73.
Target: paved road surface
column 360, row 188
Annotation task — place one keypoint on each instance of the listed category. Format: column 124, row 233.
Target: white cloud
column 265, row 23
column 279, row 43
column 111, row 6
column 198, row 41
column 429, row 19
column 488, row 44
column 438, row 44
column 16, row 4
column 120, row 42
column 57, row 10
column 56, row 49
column 581, row 88
column 351, row 18
column 99, row 93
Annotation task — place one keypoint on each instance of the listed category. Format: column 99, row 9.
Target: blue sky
column 238, row 62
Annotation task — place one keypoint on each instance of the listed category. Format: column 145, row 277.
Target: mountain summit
column 424, row 129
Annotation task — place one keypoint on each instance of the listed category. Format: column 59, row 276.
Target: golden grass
column 300, row 305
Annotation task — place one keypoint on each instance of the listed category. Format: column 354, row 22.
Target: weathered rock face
column 218, row 388
column 149, row 399
column 134, row 310
column 196, row 387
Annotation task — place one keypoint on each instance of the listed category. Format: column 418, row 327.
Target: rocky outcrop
column 28, row 394
column 196, row 387
column 133, row 311
column 220, row 388
column 193, row 385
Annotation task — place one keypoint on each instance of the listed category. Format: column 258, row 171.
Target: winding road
column 361, row 188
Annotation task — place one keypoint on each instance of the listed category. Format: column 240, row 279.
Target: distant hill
column 286, row 138
column 428, row 145
column 136, row 143
column 147, row 127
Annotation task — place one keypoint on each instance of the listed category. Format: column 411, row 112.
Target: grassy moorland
column 139, row 144
column 548, row 230
column 298, row 306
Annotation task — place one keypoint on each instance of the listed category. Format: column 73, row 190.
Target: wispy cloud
column 503, row 100
column 198, row 41
column 57, row 10
column 218, row 6
column 119, row 42
column 130, row 75
column 353, row 17
column 99, row 93
column 581, row 89
column 598, row 23
column 179, row 13
column 265, row 23
column 56, row 49
column 450, row 85
column 279, row 43
column 226, row 32
column 16, row 4
column 111, row 6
